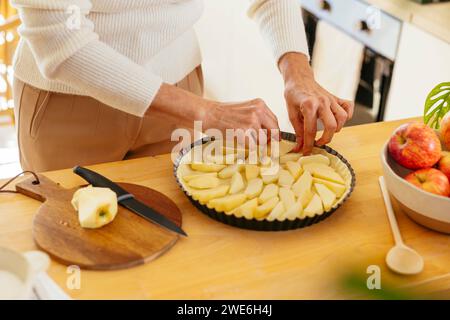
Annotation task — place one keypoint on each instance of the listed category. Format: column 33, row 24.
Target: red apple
column 445, row 130
column 444, row 164
column 415, row 146
column 430, row 180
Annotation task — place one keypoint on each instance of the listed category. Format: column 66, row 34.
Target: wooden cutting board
column 127, row 241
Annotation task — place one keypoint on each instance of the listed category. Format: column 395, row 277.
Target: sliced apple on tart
column 290, row 186
column 203, row 196
column 227, row 203
column 264, row 209
column 326, row 195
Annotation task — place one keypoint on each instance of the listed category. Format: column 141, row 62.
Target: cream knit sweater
column 120, row 51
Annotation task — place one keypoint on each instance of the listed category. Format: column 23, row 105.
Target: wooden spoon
column 401, row 258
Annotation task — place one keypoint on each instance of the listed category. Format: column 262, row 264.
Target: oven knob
column 363, row 26
column 325, row 5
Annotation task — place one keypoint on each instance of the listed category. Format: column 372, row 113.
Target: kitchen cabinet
column 217, row 261
column 422, row 62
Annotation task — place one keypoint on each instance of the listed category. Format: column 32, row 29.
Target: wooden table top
column 217, row 261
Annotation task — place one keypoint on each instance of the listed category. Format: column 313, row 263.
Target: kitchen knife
column 127, row 200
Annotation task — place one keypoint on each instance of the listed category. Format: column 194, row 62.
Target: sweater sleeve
column 69, row 51
column 281, row 25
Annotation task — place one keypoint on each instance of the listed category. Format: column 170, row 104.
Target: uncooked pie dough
column 290, row 186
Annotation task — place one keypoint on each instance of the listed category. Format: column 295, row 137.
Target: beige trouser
column 58, row 130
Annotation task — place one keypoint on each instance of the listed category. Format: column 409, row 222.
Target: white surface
column 12, row 283
column 47, row 289
column 237, row 64
column 337, row 61
column 423, row 62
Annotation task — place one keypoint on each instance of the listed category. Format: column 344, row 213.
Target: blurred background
column 9, row 157
column 386, row 55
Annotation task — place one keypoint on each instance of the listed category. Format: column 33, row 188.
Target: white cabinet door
column 423, row 61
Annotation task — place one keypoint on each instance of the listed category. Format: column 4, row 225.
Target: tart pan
column 264, row 225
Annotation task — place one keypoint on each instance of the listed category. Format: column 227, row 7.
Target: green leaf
column 437, row 105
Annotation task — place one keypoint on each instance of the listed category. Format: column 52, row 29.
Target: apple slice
column 229, row 171
column 294, row 168
column 293, row 212
column 287, row 197
column 315, row 158
column 203, row 196
column 326, row 195
column 207, row 167
column 96, row 206
column 284, row 147
column 289, row 157
column 265, row 162
column 270, row 191
column 276, row 212
column 204, row 182
column 303, row 184
column 237, row 183
column 189, row 177
column 314, row 207
column 285, row 179
column 222, row 159
column 338, row 189
column 254, row 188
column 251, row 171
column 264, row 209
column 326, row 174
column 247, row 209
column 305, row 197
column 270, row 174
column 227, row 203
column 312, row 166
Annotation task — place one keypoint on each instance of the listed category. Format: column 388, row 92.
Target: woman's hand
column 183, row 108
column 252, row 114
column 307, row 102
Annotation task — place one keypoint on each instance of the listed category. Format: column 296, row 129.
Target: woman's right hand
column 252, row 114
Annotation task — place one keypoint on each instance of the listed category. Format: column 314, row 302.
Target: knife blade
column 97, row 180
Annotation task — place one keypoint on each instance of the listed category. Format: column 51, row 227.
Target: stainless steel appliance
column 378, row 31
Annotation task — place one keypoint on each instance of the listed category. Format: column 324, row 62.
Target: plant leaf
column 437, row 105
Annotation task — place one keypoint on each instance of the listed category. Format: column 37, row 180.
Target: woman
column 105, row 80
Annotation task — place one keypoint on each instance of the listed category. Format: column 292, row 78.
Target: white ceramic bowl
column 425, row 208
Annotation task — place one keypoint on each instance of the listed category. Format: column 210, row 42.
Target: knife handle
column 97, row 180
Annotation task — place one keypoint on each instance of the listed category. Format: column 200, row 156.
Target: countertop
column 217, row 261
column 433, row 18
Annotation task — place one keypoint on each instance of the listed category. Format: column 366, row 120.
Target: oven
column 378, row 32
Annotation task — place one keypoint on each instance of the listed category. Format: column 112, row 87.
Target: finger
column 252, row 135
column 270, row 112
column 309, row 128
column 329, row 123
column 271, row 124
column 297, row 122
column 339, row 114
column 263, row 108
column 348, row 106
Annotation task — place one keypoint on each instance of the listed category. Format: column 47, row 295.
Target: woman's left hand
column 307, row 102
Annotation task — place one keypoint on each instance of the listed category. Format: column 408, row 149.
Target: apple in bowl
column 430, row 180
column 445, row 130
column 444, row 164
column 415, row 146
